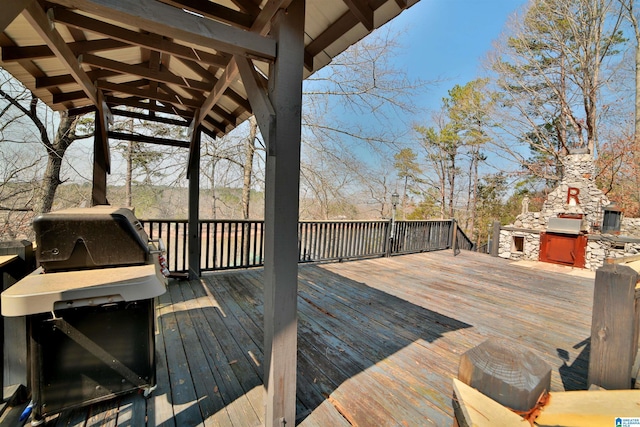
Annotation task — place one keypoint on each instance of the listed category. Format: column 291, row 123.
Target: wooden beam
column 229, row 75
column 11, row 10
column 149, row 41
column 343, row 24
column 15, row 53
column 159, row 18
column 212, row 134
column 141, row 104
column 235, row 97
column 340, row 27
column 80, row 111
column 178, row 102
column 64, row 97
column 148, row 117
column 148, row 139
column 282, row 186
column 144, row 72
column 250, row 7
column 65, row 79
column 256, row 89
column 214, row 11
column 362, row 11
column 217, row 126
column 262, row 24
column 40, row 22
column 402, row 4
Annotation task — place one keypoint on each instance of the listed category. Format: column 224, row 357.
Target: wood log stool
column 506, row 372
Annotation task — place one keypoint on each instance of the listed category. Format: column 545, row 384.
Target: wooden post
column 99, row 188
column 454, row 236
column 194, row 207
column 495, row 239
column 614, row 329
column 281, row 218
column 388, row 238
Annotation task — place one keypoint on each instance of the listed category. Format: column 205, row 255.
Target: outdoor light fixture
column 395, row 199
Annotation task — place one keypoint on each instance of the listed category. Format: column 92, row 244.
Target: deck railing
column 231, row 244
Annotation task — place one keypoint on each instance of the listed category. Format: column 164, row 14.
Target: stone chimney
column 577, row 192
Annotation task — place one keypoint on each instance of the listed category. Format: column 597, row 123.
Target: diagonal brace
column 93, row 348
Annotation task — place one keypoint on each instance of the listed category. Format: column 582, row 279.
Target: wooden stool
column 509, row 374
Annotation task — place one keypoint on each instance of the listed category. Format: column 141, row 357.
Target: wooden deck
column 379, row 341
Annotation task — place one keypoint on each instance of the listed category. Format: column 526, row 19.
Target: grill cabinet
column 564, row 242
column 90, row 308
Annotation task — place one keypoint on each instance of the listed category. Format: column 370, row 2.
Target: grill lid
column 564, row 225
column 82, row 238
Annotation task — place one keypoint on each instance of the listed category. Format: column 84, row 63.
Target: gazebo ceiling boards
column 192, row 60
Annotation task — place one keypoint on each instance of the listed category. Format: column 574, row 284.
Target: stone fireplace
column 576, row 198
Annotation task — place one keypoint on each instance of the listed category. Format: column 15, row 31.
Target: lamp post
column 395, row 198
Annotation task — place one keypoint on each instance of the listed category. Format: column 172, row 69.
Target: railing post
column 495, row 239
column 193, row 227
column 453, row 239
column 614, row 327
column 388, row 237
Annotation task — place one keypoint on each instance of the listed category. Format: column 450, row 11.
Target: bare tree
column 20, row 103
column 248, row 166
column 551, row 68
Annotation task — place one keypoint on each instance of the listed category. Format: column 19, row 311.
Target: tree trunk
column 214, row 196
column 129, row 177
column 404, row 198
column 248, row 166
column 452, row 178
column 55, row 154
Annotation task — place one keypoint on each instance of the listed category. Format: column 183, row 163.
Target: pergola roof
column 178, row 61
column 209, row 65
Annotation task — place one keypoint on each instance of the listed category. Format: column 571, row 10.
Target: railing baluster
column 240, row 244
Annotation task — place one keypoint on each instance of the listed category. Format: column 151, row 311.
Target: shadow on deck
column 378, row 341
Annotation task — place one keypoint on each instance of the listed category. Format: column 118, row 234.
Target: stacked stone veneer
column 579, row 171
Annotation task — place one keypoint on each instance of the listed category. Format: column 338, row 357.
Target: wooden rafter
column 231, row 71
column 147, row 117
column 402, row 4
column 142, row 70
column 149, row 41
column 177, row 101
column 229, row 75
column 143, row 104
column 14, row 53
column 10, row 10
column 336, row 30
column 362, row 11
column 262, row 24
column 214, row 11
column 40, row 22
column 256, row 88
column 250, row 7
column 65, row 79
column 159, row 18
column 148, row 139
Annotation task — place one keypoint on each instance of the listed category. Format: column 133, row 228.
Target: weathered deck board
column 378, row 339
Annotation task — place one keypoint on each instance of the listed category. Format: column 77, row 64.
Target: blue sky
column 448, row 40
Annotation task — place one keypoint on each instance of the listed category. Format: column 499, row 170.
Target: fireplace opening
column 518, row 244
